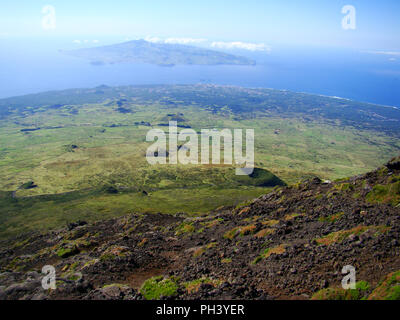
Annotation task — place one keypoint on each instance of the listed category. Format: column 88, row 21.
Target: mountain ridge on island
column 162, row 54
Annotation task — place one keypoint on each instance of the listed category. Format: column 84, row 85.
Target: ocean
column 29, row 68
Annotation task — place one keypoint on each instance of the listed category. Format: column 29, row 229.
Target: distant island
column 162, row 54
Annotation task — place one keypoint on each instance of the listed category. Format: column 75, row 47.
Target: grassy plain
column 88, row 161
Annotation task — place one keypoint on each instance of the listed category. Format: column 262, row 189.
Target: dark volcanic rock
column 287, row 244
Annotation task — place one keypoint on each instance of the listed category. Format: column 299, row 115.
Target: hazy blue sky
column 308, row 22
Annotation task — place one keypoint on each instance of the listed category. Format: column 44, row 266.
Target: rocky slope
column 289, row 244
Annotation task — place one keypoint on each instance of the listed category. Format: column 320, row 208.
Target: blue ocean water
column 349, row 74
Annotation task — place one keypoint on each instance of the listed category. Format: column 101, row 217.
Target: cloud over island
column 241, row 45
column 175, row 40
column 215, row 44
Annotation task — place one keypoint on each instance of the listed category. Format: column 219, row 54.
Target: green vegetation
column 343, row 187
column 389, row 289
column 185, row 228
column 268, row 252
column 113, row 253
column 359, row 293
column 292, row 216
column 339, row 236
column 200, row 250
column 194, row 286
column 69, row 248
column 261, row 178
column 264, row 233
column 157, row 287
column 333, row 218
column 67, row 252
column 212, row 223
column 240, row 231
column 76, row 154
column 270, row 223
column 28, row 185
column 389, row 193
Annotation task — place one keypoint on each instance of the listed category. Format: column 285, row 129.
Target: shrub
column 339, row 236
column 385, row 194
column 389, row 289
column 67, row 252
column 270, row 251
column 194, row 286
column 185, row 228
column 332, row 218
column 157, row 287
column 362, row 287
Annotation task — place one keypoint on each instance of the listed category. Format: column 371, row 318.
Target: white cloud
column 217, row 44
column 388, row 53
column 85, row 41
column 174, row 40
column 184, row 40
column 153, row 39
column 241, row 45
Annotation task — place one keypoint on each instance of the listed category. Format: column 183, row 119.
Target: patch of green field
column 301, row 149
column 55, row 211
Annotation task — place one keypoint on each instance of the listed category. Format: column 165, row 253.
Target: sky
column 222, row 22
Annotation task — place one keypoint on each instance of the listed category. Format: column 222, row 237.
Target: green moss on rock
column 362, row 287
column 157, row 287
column 389, row 289
column 67, row 252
